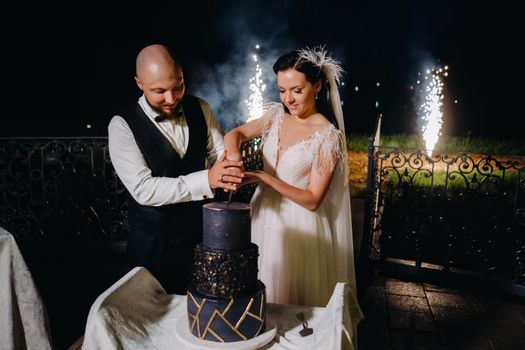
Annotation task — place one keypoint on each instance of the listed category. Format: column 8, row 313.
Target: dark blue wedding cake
column 226, row 301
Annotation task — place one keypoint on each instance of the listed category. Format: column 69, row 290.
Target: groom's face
column 163, row 90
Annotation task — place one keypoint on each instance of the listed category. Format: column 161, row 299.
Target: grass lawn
column 477, row 148
column 507, row 147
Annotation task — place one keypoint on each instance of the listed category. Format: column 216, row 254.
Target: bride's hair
column 313, row 73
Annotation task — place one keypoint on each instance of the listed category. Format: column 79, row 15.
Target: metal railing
column 60, row 190
column 65, row 190
column 452, row 212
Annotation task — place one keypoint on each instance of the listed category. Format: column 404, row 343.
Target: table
column 23, row 318
column 136, row 313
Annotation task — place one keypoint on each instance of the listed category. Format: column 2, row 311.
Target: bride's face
column 297, row 93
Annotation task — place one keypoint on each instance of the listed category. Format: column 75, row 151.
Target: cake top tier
column 227, row 206
column 226, row 226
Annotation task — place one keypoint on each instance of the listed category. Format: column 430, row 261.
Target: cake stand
column 192, row 342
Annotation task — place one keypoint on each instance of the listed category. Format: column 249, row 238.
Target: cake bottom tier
column 227, row 319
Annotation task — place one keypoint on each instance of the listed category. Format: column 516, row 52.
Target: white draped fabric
column 136, row 313
column 23, row 318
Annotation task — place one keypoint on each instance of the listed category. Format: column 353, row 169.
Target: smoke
column 225, row 85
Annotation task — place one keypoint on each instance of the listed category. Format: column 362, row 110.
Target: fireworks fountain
column 430, row 110
column 257, row 87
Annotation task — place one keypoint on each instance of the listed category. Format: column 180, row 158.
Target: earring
column 316, row 96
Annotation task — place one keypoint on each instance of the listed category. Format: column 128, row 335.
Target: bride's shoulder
column 271, row 112
column 332, row 137
column 273, row 109
column 330, row 130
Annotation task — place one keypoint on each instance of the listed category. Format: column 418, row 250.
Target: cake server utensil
column 306, row 330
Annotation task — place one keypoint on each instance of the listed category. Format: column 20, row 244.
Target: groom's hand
column 226, row 174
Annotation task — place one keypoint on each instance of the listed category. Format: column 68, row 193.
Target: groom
column 160, row 147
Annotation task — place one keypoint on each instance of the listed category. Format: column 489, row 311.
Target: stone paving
column 403, row 315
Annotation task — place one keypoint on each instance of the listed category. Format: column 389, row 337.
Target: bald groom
column 160, row 147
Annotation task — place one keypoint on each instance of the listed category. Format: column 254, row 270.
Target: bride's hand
column 254, row 176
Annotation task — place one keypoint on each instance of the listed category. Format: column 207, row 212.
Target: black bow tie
column 162, row 117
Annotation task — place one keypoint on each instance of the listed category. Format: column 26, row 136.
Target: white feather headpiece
column 320, row 58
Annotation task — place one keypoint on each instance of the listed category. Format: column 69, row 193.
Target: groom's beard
column 169, row 115
column 174, row 113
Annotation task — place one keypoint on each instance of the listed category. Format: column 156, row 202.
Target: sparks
column 255, row 100
column 430, row 110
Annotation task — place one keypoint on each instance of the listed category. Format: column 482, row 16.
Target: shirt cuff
column 198, row 185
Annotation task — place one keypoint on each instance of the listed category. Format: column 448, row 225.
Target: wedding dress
column 302, row 254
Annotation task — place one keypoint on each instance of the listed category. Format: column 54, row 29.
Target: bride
column 301, row 208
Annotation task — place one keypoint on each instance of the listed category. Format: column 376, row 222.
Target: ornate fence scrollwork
column 60, row 190
column 65, row 190
column 459, row 211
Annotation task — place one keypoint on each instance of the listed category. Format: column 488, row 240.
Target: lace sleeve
column 330, row 151
column 271, row 112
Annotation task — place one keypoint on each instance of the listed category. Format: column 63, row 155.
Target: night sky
column 76, row 65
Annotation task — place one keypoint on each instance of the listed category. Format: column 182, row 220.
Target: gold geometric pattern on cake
column 222, row 315
column 196, row 316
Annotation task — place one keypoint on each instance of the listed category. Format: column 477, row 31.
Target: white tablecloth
column 23, row 319
column 136, row 313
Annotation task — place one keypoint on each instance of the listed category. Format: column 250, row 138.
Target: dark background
column 75, row 65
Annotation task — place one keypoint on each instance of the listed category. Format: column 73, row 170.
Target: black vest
column 181, row 222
